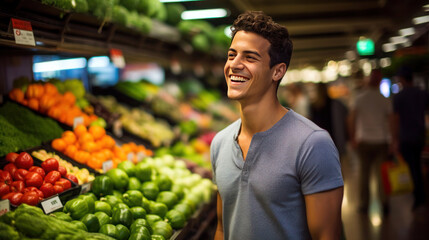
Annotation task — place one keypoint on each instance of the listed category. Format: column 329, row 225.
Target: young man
column 277, row 173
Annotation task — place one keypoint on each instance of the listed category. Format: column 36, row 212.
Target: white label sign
column 23, row 32
column 130, row 156
column 140, row 156
column 86, row 187
column 4, row 206
column 77, row 121
column 51, row 204
column 107, row 165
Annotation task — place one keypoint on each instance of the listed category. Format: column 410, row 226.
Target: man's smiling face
column 247, row 70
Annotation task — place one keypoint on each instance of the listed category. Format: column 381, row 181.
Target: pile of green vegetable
column 20, row 128
column 148, row 200
column 28, row 222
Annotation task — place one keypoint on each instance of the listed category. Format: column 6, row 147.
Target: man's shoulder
column 228, row 131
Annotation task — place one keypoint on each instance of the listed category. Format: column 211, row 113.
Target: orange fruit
column 108, row 154
column 82, row 157
column 97, row 132
column 94, row 163
column 79, row 130
column 59, row 144
column 89, row 146
column 33, row 103
column 86, row 137
column 69, row 137
column 70, row 150
column 108, row 142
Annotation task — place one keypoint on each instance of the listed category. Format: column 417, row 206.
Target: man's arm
column 324, row 214
column 219, row 229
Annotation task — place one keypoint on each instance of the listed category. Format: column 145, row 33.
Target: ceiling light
column 227, row 31
column 407, row 31
column 388, row 47
column 426, row 7
column 420, row 20
column 398, row 40
column 205, row 13
column 58, row 65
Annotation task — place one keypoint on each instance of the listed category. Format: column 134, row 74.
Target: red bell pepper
column 52, row 177
column 30, row 198
column 33, row 179
column 14, row 197
column 47, row 189
column 50, row 164
column 62, row 170
column 38, row 170
column 58, row 189
column 11, row 157
column 72, row 178
column 24, row 160
column 66, row 184
column 11, row 168
column 20, row 174
column 4, row 189
column 17, row 186
column 5, row 177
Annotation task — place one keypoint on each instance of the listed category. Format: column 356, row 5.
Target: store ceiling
column 324, row 30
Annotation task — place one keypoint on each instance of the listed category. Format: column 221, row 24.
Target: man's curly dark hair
column 263, row 25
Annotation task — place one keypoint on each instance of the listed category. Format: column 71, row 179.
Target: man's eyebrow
column 247, row 52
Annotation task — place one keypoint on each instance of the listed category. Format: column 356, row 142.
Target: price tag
column 140, row 156
column 51, row 204
column 107, row 165
column 4, row 206
column 77, row 121
column 117, row 128
column 86, row 187
column 130, row 156
column 117, row 57
column 23, row 32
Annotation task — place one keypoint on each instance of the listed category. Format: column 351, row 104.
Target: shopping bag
column 396, row 177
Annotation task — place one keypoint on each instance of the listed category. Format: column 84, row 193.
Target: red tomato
column 11, row 157
column 33, row 179
column 66, row 184
column 52, row 177
column 50, row 164
column 58, row 189
column 47, row 189
column 14, row 197
column 38, row 170
column 30, row 198
column 11, row 168
column 62, row 170
column 5, row 177
column 4, row 189
column 20, row 174
column 24, row 160
column 73, row 178
column 17, row 186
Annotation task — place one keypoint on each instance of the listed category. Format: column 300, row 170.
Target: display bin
column 64, row 196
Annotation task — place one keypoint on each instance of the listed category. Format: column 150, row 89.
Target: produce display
column 92, row 147
column 140, row 123
column 24, row 182
column 46, row 98
column 18, row 129
column 82, row 174
column 154, row 197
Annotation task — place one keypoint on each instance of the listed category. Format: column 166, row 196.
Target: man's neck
column 260, row 117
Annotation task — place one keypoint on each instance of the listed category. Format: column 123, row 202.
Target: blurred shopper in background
column 296, row 99
column 329, row 114
column 409, row 107
column 278, row 174
column 370, row 125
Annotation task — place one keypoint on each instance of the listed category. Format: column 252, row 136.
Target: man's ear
column 279, row 71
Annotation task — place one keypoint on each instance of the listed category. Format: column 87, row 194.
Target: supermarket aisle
column 400, row 224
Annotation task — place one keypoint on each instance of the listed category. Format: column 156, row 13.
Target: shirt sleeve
column 318, row 164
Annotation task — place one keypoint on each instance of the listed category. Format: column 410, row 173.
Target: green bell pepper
column 119, row 178
column 138, row 212
column 176, row 219
column 162, row 228
column 134, row 184
column 100, row 206
column 80, row 225
column 128, row 168
column 122, row 216
column 76, row 208
column 120, row 205
column 117, row 194
column 159, row 209
column 103, row 218
column 164, row 183
column 139, row 236
column 143, row 171
column 102, row 186
column 152, row 219
column 133, row 198
column 141, row 229
column 157, row 237
column 91, row 222
column 123, row 232
column 168, row 198
column 62, row 215
column 141, row 222
column 90, row 201
column 109, row 230
column 111, row 200
column 150, row 190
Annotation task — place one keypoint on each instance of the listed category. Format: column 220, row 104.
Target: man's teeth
column 238, row 79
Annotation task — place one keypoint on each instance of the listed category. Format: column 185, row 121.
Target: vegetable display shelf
column 60, row 31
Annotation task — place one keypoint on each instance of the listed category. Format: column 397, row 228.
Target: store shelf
column 82, row 34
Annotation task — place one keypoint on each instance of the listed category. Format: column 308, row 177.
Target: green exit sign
column 365, row 47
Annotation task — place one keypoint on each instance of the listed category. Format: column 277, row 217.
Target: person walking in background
column 370, row 126
column 296, row 99
column 409, row 107
column 278, row 174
